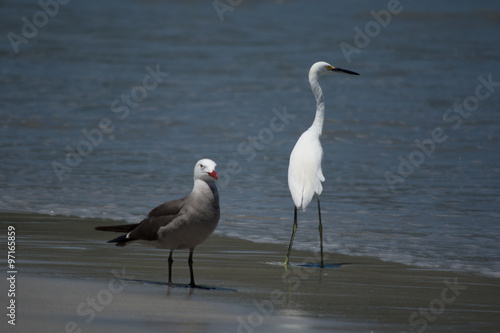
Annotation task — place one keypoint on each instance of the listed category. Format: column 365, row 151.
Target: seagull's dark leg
column 170, row 261
column 190, row 262
column 320, row 228
column 293, row 235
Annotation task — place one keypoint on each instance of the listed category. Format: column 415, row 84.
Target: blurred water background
column 86, row 132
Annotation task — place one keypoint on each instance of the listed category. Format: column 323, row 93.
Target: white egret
column 179, row 224
column 304, row 171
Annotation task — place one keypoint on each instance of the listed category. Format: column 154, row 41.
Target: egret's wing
column 304, row 171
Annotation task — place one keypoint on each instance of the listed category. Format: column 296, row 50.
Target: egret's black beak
column 336, row 69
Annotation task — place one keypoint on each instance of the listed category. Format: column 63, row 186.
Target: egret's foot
column 196, row 286
column 209, row 288
column 317, row 265
column 203, row 287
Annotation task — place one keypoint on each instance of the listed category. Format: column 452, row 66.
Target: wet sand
column 69, row 280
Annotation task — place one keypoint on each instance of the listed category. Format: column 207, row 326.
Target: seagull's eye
column 201, row 166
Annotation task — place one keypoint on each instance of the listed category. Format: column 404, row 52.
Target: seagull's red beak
column 213, row 174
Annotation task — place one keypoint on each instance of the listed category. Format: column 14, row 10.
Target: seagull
column 179, row 224
column 304, row 170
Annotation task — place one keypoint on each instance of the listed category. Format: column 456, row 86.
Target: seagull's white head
column 205, row 170
column 322, row 68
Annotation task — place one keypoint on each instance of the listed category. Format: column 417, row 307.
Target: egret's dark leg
column 170, row 261
column 320, row 228
column 190, row 262
column 293, row 235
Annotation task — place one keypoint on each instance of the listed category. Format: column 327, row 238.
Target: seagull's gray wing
column 148, row 228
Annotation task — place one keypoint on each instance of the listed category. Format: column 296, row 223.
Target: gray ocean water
column 106, row 106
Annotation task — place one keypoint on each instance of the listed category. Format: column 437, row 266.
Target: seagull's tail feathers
column 122, row 240
column 118, row 228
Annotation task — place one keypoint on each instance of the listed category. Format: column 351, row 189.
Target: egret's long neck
column 317, row 125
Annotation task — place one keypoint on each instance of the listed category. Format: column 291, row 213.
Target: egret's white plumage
column 304, row 171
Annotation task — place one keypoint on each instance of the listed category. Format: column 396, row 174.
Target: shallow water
column 352, row 294
column 228, row 82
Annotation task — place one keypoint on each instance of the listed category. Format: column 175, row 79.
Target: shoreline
column 62, row 261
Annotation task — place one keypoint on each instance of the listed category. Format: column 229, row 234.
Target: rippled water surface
column 107, row 107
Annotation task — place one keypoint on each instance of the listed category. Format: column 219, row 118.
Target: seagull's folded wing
column 158, row 217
